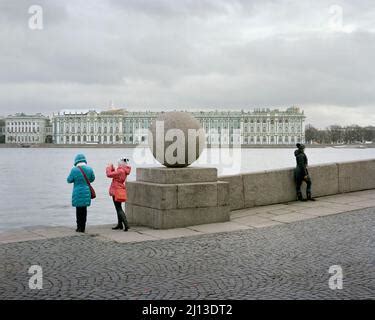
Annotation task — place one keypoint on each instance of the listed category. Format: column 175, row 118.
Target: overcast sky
column 191, row 54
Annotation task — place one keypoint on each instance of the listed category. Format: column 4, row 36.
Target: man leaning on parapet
column 301, row 173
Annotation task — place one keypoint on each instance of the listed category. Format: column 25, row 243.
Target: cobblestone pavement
column 280, row 262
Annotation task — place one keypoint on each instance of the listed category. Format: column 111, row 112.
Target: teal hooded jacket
column 81, row 196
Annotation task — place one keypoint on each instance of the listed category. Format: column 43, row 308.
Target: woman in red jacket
column 118, row 190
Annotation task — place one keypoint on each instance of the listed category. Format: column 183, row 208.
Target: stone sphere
column 176, row 139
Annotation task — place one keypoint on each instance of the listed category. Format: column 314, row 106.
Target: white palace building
column 27, row 129
column 120, row 126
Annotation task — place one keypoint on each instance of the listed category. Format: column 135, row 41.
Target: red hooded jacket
column 118, row 177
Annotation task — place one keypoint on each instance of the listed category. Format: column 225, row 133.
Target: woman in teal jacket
column 81, row 197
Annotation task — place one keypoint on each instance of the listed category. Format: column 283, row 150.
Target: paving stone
column 243, row 213
column 170, row 233
column 19, row 235
column 286, row 261
column 342, row 199
column 219, row 227
column 52, row 232
column 319, row 211
column 270, row 208
column 267, row 215
column 305, row 204
column 341, row 207
column 282, row 211
column 130, row 236
column 255, row 221
column 292, row 217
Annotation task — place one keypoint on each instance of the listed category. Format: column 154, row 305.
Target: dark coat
column 302, row 162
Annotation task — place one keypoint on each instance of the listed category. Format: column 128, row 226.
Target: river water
column 34, row 191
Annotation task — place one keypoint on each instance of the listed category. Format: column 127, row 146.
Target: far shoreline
column 131, row 146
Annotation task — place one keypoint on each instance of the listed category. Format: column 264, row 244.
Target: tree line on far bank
column 336, row 134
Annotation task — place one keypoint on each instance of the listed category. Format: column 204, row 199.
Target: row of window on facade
column 84, row 130
column 207, row 129
column 143, row 123
column 209, row 139
column 249, row 120
column 103, row 139
column 23, row 123
column 257, row 129
column 100, row 121
column 272, row 139
column 23, row 129
column 272, row 129
column 213, row 123
column 146, row 121
column 272, row 121
column 23, row 139
column 258, row 139
column 100, row 130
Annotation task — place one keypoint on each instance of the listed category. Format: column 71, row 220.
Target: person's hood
column 80, row 158
column 121, row 163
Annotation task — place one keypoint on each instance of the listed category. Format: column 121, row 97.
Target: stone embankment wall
column 271, row 187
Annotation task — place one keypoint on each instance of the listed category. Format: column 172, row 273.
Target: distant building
column 261, row 126
column 90, row 126
column 273, row 126
column 27, row 129
column 48, row 132
column 2, row 130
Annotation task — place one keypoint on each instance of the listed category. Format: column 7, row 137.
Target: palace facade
column 27, row 129
column 2, row 130
column 260, row 126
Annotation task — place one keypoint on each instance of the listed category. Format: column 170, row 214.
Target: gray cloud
column 190, row 54
column 170, row 9
column 16, row 13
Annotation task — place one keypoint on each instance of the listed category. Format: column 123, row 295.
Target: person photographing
column 81, row 175
column 301, row 173
column 117, row 190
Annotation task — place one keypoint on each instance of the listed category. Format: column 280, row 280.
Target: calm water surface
column 33, row 188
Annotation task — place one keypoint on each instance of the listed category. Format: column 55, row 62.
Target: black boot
column 126, row 226
column 118, row 227
column 309, row 197
column 299, row 196
column 124, row 221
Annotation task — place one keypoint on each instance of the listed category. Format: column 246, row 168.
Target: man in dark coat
column 301, row 173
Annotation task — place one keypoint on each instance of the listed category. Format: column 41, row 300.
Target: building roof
column 114, row 112
column 24, row 115
column 77, row 111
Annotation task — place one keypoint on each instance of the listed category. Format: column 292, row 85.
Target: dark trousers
column 81, row 215
column 121, row 217
column 299, row 181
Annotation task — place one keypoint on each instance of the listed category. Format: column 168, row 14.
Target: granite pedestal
column 164, row 198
